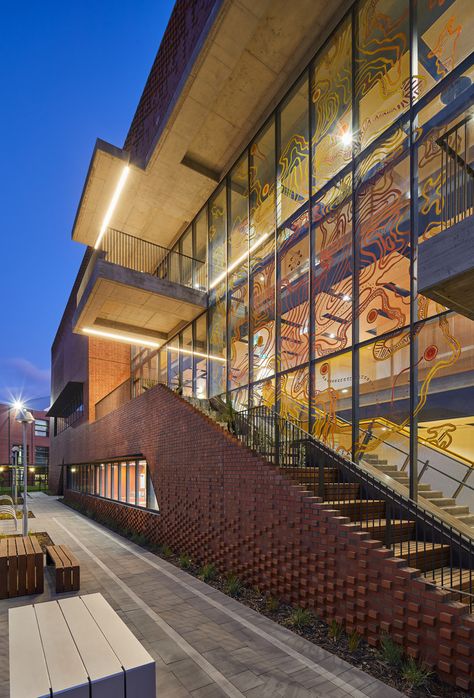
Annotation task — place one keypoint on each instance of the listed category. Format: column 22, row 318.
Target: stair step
column 385, row 467
column 442, row 501
column 423, row 556
column 467, row 519
column 399, row 530
column 431, row 494
column 359, row 509
column 307, row 474
column 334, row 490
column 456, row 510
column 454, row 578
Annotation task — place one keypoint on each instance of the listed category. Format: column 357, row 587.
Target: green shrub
column 415, row 674
column 335, row 631
column 166, row 551
column 184, row 561
column 300, row 618
column 233, row 586
column 272, row 604
column 390, row 651
column 208, row 572
column 353, row 641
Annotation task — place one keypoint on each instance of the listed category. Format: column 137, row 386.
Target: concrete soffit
column 248, row 55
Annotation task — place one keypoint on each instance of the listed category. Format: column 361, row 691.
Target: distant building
column 11, row 436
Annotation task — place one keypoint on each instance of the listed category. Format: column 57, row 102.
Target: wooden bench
column 21, row 567
column 68, row 575
column 76, row 647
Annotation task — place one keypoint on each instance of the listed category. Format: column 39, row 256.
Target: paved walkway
column 205, row 644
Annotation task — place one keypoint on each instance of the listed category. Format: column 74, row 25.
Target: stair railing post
column 277, row 440
column 320, row 475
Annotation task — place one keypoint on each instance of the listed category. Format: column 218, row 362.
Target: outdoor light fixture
column 197, row 353
column 112, row 205
column 24, row 417
column 17, row 405
column 346, row 298
column 232, row 266
column 121, row 338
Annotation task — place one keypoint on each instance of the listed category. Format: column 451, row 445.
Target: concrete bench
column 21, row 567
column 76, row 647
column 67, row 568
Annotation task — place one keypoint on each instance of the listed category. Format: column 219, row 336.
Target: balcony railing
column 141, row 255
column 457, row 175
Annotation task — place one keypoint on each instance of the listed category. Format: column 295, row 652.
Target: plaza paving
column 205, row 644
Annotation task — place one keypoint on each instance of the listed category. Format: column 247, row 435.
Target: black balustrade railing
column 457, row 174
column 443, row 554
column 141, row 255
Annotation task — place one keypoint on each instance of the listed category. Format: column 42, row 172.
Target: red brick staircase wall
column 222, row 504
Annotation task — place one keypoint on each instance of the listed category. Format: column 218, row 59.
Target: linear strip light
column 112, row 205
column 121, row 338
column 232, row 266
column 197, row 353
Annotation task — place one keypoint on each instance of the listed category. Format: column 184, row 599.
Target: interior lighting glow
column 112, row 205
column 346, row 138
column 232, row 266
column 197, row 353
column 121, row 338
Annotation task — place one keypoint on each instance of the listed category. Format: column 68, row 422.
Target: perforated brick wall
column 221, row 503
column 181, row 36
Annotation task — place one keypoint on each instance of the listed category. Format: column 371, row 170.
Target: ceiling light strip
column 232, row 266
column 121, row 338
column 196, row 353
column 112, row 205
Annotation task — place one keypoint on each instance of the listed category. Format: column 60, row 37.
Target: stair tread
column 452, row 577
column 414, row 547
column 383, row 522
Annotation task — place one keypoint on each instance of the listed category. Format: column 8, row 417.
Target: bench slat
column 21, row 553
column 30, row 566
column 99, row 659
column 138, row 664
column 25, row 641
column 12, row 568
column 65, row 667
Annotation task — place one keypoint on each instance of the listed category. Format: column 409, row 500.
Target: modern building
column 11, row 447
column 288, row 227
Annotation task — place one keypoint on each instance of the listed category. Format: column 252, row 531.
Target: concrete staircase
column 436, row 497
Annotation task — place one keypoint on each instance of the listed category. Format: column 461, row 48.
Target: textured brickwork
column 181, row 36
column 221, row 503
column 109, row 365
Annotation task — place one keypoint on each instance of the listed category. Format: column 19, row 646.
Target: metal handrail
column 147, row 257
column 457, row 175
column 383, row 510
column 426, row 465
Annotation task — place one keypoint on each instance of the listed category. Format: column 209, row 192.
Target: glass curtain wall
column 311, row 243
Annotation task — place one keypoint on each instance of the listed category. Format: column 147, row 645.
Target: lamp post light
column 25, row 417
column 15, row 458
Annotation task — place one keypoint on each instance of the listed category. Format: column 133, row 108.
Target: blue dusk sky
column 70, row 72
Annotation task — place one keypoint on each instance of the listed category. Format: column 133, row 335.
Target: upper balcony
column 138, row 291
column 446, row 260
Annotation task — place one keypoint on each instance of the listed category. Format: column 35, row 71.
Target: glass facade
column 126, row 481
column 312, row 238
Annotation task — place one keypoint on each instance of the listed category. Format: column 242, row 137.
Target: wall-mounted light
column 346, row 138
column 112, row 205
column 121, row 338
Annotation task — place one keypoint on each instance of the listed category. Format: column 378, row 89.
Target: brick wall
column 221, row 503
column 109, row 366
column 181, row 36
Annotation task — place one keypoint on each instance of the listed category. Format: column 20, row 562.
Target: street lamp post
column 25, row 417
column 15, row 454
